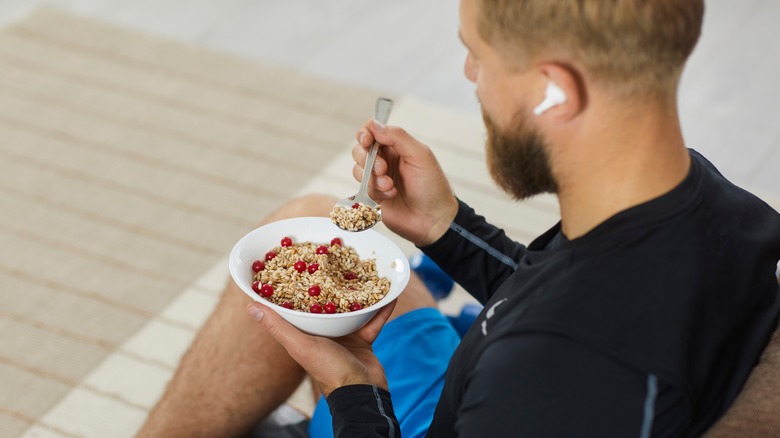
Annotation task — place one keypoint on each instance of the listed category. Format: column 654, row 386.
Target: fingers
column 359, row 154
column 363, row 136
column 294, row 340
column 332, row 363
column 379, row 183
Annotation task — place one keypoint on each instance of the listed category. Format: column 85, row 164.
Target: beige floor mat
column 129, row 167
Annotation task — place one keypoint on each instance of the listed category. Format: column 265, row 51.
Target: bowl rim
column 297, row 313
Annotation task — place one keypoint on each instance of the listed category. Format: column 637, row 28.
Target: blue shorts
column 414, row 350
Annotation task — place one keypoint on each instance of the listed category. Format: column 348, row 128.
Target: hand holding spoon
column 359, row 212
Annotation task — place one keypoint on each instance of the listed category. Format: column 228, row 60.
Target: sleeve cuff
column 444, row 243
column 363, row 410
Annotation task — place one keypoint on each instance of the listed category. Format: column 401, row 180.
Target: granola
column 318, row 278
column 356, row 218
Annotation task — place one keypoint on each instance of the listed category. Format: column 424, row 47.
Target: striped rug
column 129, row 165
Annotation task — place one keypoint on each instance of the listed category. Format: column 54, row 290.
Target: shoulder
column 734, row 200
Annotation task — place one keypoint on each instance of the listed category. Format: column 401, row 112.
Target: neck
column 616, row 159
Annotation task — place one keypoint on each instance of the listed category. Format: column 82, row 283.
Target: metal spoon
column 381, row 114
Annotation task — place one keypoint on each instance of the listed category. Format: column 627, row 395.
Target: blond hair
column 630, row 46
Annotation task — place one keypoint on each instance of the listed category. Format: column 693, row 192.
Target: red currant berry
column 267, row 290
column 258, row 266
column 256, row 286
column 355, row 306
column 335, row 241
column 313, row 268
column 330, row 307
column 315, row 308
column 322, row 249
column 349, row 275
column 315, row 290
column 300, row 266
column 287, row 304
column 356, row 205
column 286, row 242
column 270, row 255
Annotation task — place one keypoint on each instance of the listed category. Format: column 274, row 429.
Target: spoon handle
column 381, row 115
column 382, row 109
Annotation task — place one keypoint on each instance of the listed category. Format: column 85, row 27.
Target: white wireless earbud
column 553, row 96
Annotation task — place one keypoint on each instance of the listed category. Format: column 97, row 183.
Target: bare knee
column 306, row 205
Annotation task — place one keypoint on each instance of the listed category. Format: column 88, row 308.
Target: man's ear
column 562, row 92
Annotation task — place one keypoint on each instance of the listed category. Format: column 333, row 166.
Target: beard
column 517, row 158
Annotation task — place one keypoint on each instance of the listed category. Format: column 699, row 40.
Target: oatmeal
column 318, row 278
column 356, row 218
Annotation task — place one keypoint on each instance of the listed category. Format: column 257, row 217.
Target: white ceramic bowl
column 390, row 262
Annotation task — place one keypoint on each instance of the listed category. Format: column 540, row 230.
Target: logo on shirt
column 491, row 311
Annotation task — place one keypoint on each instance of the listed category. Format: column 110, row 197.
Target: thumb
column 370, row 331
column 404, row 145
column 396, row 137
column 289, row 337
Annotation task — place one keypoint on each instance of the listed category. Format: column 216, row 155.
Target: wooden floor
column 730, row 96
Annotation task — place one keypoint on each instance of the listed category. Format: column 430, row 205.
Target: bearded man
column 640, row 314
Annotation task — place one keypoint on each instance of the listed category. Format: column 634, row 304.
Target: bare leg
column 234, row 375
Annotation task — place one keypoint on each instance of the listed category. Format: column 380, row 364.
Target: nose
column 470, row 69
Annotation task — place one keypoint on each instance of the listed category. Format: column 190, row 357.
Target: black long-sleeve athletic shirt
column 646, row 326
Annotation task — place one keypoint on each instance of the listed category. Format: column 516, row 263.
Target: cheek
column 495, row 100
column 489, row 100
